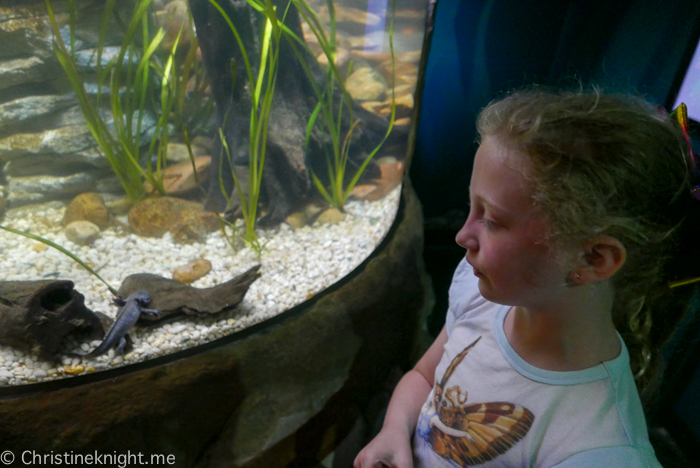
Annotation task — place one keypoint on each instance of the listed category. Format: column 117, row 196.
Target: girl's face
column 505, row 234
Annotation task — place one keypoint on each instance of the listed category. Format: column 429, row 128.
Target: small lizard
column 131, row 310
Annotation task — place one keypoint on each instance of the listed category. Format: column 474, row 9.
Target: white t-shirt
column 490, row 408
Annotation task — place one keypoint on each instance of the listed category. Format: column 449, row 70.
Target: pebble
column 296, row 264
column 74, row 370
column 82, row 232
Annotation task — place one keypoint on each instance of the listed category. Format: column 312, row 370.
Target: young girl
column 581, row 214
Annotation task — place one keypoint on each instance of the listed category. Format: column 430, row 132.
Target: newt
column 132, row 308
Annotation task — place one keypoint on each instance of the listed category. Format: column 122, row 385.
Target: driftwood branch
column 37, row 315
column 289, row 159
column 171, row 297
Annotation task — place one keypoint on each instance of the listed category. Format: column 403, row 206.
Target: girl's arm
column 392, row 446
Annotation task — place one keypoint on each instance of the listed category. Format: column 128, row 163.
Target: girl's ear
column 601, row 258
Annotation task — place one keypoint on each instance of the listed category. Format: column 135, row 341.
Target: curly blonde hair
column 614, row 165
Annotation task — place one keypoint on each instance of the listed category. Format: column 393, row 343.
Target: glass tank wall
column 243, row 155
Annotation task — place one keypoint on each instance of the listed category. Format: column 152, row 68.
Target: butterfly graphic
column 475, row 433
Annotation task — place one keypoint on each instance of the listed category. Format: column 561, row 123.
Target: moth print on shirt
column 476, row 433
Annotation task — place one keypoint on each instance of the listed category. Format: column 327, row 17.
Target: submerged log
column 171, row 297
column 286, row 179
column 37, row 316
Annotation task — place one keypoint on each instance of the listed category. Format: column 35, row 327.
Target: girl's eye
column 490, row 224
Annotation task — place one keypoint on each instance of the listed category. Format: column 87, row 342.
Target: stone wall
column 46, row 150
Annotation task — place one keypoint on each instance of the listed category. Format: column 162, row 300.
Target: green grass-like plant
column 337, row 192
column 125, row 170
column 262, row 92
column 196, row 111
column 223, row 222
column 132, row 88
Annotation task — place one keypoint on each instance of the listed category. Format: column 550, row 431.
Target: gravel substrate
column 296, row 265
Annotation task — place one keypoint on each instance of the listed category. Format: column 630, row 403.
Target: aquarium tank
column 197, row 166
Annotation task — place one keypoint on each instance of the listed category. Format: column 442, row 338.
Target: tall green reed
column 332, row 119
column 262, row 91
column 131, row 89
column 193, row 105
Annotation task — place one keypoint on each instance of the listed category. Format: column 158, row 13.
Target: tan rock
column 372, row 106
column 392, row 175
column 342, row 60
column 74, row 370
column 359, row 51
column 194, row 227
column 349, row 15
column 87, row 207
column 385, row 160
column 180, row 178
column 400, row 68
column 306, row 216
column 312, row 210
column 365, row 84
column 178, row 152
column 361, row 191
column 192, row 271
column 120, row 206
column 296, row 220
column 407, row 80
column 154, row 216
column 331, row 216
column 368, row 55
column 174, row 17
column 82, row 232
column 204, row 143
column 404, row 106
column 39, row 247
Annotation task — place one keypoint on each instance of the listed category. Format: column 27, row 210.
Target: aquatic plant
column 262, row 91
column 130, row 91
column 64, row 251
column 338, row 192
column 222, row 221
column 196, row 111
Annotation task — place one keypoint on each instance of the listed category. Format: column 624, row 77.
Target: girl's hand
column 390, row 448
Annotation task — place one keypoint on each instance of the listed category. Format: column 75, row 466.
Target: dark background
column 481, row 48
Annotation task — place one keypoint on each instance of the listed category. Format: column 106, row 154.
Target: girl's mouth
column 477, row 273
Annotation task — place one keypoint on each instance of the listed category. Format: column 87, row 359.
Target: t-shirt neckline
column 592, row 374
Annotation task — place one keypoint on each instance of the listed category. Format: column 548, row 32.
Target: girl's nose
column 466, row 237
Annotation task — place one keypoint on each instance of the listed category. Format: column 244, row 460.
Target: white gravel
column 296, row 265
